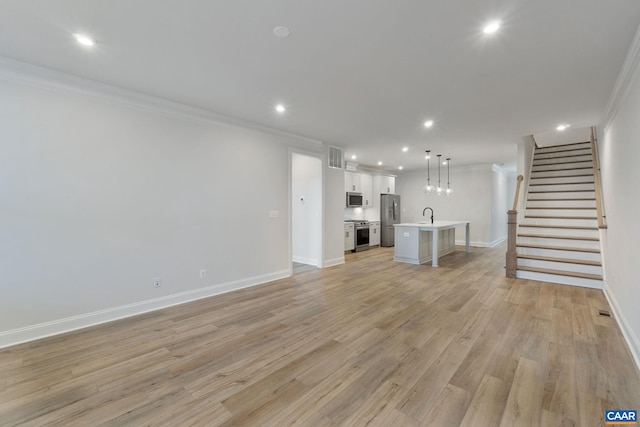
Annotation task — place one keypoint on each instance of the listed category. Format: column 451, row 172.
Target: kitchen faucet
column 425, row 209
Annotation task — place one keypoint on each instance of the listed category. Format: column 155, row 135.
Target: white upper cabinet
column 352, row 182
column 387, row 184
column 366, row 188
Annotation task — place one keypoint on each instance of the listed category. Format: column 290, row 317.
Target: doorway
column 306, row 211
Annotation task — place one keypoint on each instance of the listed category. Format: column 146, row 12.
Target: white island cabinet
column 421, row 242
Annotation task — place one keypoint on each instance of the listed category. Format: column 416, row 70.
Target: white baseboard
column 68, row 324
column 303, row 260
column 630, row 337
column 333, row 261
column 482, row 244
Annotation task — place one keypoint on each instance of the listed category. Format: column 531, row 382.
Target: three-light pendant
column 439, row 190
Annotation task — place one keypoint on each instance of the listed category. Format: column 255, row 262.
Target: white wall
column 98, row 197
column 472, row 200
column 334, row 202
column 619, row 155
column 306, row 209
column 499, row 204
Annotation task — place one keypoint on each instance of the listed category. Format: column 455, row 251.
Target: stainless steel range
column 361, row 235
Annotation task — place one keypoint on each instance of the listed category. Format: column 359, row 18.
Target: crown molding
column 624, row 81
column 45, row 78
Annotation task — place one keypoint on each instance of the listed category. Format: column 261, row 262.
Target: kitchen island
column 421, row 242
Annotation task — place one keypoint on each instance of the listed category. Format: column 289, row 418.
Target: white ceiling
column 361, row 74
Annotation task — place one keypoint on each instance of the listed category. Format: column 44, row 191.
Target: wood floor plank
column 524, row 401
column 487, row 406
column 371, row 342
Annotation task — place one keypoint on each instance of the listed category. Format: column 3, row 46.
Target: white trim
column 623, row 82
column 482, row 244
column 632, row 340
column 304, row 260
column 45, row 78
column 68, row 324
column 333, row 261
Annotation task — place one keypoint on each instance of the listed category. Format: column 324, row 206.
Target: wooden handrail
column 596, row 179
column 517, row 196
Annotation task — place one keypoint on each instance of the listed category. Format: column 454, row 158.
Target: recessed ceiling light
column 280, row 108
column 281, row 32
column 444, row 162
column 405, row 149
column 428, row 123
column 491, row 27
column 84, row 40
column 400, row 167
column 353, row 157
column 562, row 127
column 379, row 163
column 428, row 156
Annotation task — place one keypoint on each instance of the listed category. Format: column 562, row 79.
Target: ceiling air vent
column 335, row 157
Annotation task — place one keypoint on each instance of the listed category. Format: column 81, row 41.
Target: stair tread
column 561, row 207
column 561, row 200
column 542, row 236
column 563, row 163
column 562, row 157
column 568, row 227
column 561, row 272
column 562, row 169
column 560, row 191
column 559, row 176
column 560, row 217
column 563, row 260
column 560, row 183
column 557, row 248
column 550, row 148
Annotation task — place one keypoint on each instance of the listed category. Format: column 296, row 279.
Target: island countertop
column 437, row 225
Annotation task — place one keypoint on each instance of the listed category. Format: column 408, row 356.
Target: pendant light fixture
column 429, row 188
column 439, row 189
column 449, row 190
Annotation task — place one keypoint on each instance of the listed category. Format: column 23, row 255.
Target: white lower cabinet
column 374, row 233
column 349, row 238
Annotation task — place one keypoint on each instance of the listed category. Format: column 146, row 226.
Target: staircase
column 558, row 239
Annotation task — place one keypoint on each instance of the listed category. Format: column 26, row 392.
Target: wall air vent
column 335, row 157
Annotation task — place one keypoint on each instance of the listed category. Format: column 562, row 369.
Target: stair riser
column 552, row 265
column 587, row 256
column 559, row 180
column 541, row 156
column 563, row 166
column 558, row 232
column 566, row 195
column 564, row 280
column 555, row 221
column 562, row 212
column 559, row 173
column 563, row 160
column 578, row 244
column 561, row 203
column 563, row 148
column 580, row 188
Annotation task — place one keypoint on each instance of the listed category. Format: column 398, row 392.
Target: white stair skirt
column 564, row 280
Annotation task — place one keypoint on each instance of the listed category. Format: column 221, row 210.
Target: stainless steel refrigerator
column 389, row 215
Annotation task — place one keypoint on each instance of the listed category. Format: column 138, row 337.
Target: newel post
column 512, row 255
column 512, row 230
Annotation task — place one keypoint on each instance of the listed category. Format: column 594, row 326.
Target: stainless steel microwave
column 354, row 200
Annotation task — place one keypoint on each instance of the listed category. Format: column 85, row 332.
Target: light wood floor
column 371, row 342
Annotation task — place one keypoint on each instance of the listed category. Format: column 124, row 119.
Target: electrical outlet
column 203, row 273
column 156, row 282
